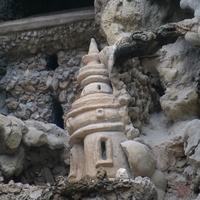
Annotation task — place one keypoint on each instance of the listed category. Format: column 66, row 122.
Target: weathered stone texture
column 121, row 17
column 193, row 5
column 48, row 34
column 18, row 191
column 102, row 188
column 32, row 150
column 140, row 188
column 48, row 40
column 30, row 87
column 133, row 79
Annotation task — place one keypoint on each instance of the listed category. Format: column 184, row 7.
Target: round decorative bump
column 69, row 123
column 100, row 113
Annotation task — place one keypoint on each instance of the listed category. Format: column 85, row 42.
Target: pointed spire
column 93, row 47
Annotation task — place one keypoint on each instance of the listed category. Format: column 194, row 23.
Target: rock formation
column 16, row 139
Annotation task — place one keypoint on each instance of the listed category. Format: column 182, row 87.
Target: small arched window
column 104, row 152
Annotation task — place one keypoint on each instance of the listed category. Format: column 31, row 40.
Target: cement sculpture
column 98, row 132
column 94, row 122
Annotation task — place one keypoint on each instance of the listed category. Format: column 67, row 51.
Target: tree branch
column 142, row 43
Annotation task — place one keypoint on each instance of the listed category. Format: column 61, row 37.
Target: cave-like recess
column 16, row 9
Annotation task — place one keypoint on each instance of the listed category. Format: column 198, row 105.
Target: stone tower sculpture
column 94, row 122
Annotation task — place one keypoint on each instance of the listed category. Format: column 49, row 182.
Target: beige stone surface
column 191, row 142
column 11, row 133
column 179, row 105
column 12, row 164
column 42, row 133
column 191, row 26
column 94, row 122
column 143, row 163
column 117, row 16
column 160, row 181
column 34, row 137
column 140, row 157
column 122, row 174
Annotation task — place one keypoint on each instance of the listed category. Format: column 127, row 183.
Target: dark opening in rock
column 51, row 62
column 99, row 87
column 159, row 89
column 103, row 150
column 14, row 9
column 3, row 65
column 45, row 6
column 2, row 71
column 3, row 104
column 58, row 113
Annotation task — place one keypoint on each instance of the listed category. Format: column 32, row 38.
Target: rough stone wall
column 140, row 188
column 31, row 86
column 39, row 68
column 142, row 97
column 47, row 40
